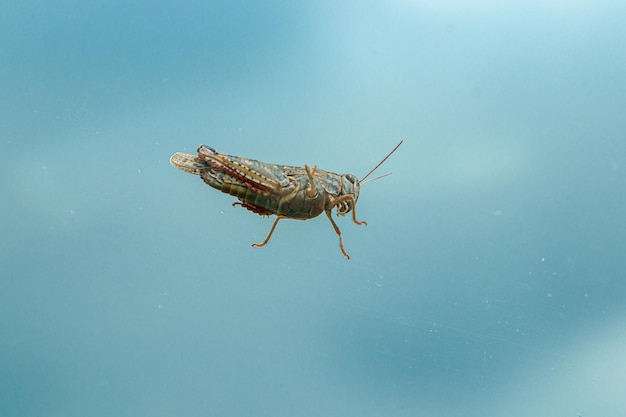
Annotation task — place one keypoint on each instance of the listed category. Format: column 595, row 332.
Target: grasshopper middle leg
column 330, row 217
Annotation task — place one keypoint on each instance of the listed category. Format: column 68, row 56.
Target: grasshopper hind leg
column 269, row 235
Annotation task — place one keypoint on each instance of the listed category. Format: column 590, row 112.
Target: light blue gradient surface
column 489, row 281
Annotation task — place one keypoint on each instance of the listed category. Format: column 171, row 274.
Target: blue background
column 489, row 281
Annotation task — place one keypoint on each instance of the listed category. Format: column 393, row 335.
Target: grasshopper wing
column 188, row 163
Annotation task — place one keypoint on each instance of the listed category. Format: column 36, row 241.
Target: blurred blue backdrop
column 489, row 281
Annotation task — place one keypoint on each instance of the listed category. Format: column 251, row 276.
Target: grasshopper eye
column 351, row 178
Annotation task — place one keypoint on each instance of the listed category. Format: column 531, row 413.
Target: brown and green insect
column 286, row 191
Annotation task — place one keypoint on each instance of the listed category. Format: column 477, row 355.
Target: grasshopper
column 270, row 189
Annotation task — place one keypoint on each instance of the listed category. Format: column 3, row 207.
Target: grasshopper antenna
column 379, row 164
column 374, row 179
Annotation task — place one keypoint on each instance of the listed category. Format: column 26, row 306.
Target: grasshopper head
column 350, row 186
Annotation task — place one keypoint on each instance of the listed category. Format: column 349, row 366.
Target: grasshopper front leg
column 349, row 198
